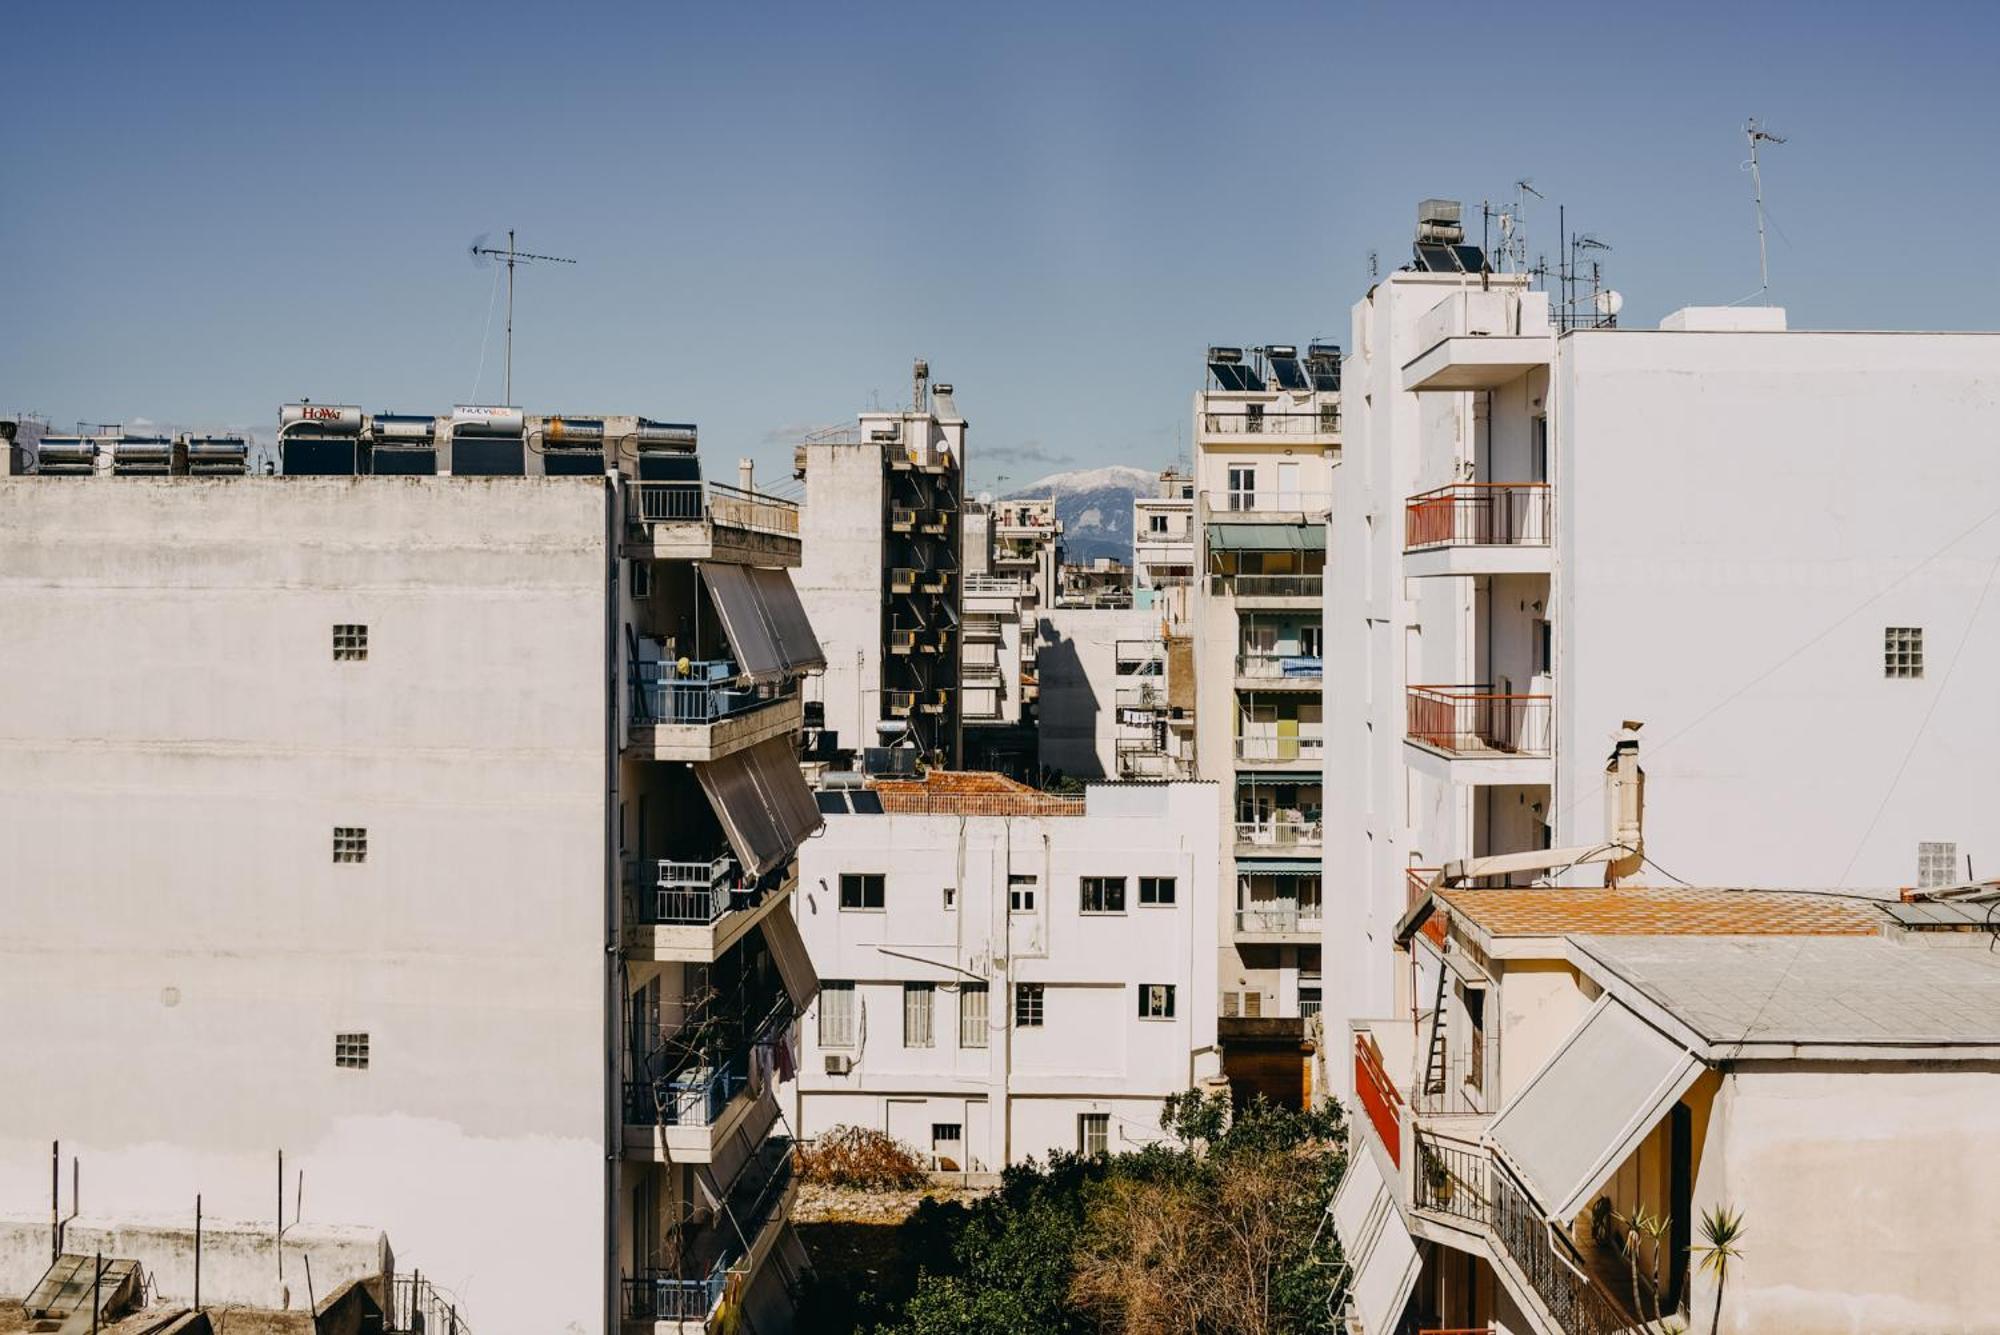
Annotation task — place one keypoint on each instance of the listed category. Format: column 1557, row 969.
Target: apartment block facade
column 434, row 828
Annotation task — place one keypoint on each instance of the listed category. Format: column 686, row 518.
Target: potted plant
column 1437, row 1179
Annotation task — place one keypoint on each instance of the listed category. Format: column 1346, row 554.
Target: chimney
column 1625, row 804
column 920, row 375
column 746, row 473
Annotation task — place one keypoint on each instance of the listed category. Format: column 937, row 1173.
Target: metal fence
column 1509, row 514
column 1324, row 421
column 662, row 692
column 1276, row 667
column 1279, row 832
column 1475, row 720
column 1452, row 1180
column 414, row 1304
column 1267, row 586
column 651, row 503
column 1278, row 918
column 1550, row 1262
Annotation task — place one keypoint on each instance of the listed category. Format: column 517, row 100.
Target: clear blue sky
column 213, row 209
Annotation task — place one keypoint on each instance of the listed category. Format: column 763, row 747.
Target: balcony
column 1264, row 670
column 1305, row 752
column 1145, row 760
column 1318, row 426
column 1264, row 504
column 731, row 1246
column 1478, row 528
column 696, row 1091
column 702, row 712
column 898, row 704
column 902, row 579
column 1277, row 921
column 1277, row 834
column 902, row 642
column 694, row 911
column 1508, row 735
column 709, row 521
column 1480, row 340
column 1273, row 591
column 903, row 519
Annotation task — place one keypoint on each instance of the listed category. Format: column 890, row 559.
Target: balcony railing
column 1279, row 667
column 651, row 503
column 659, row 1296
column 1378, row 1096
column 702, row 693
column 1279, row 832
column 695, row 894
column 1452, row 1180
column 1475, row 721
column 1478, row 514
column 1280, row 749
column 1278, row 917
column 1267, row 586
column 695, row 1098
column 1550, row 1262
column 1219, row 505
column 1324, row 421
column 698, row 1073
column 754, row 1199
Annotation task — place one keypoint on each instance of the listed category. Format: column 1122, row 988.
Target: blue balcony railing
column 665, row 692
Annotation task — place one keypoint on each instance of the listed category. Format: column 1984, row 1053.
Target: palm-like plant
column 1721, row 1232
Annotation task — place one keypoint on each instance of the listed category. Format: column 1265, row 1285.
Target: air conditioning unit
column 838, row 1063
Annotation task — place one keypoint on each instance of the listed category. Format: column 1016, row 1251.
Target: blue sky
column 214, row 209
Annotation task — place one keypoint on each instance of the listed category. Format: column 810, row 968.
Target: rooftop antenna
column 1757, row 134
column 1514, row 227
column 481, row 254
column 1374, row 266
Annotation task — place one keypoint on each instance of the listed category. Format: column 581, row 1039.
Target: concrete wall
column 1093, row 1048
column 176, row 746
column 1076, row 664
column 1867, row 1199
column 839, row 580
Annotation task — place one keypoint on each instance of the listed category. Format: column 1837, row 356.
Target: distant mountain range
column 1095, row 506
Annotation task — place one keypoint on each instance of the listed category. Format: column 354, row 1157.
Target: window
column 1309, row 1002
column 1475, row 1021
column 1243, row 487
column 1937, row 864
column 1545, row 647
column 1156, row 1001
column 972, row 1015
column 917, row 999
column 1103, row 894
column 1027, row 1005
column 1311, row 640
column 947, row 1137
column 1329, row 419
column 350, row 643
column 351, row 1051
column 1156, row 524
column 950, row 897
column 1538, row 449
column 1903, row 651
column 642, row 580
column 1093, row 1133
column 836, row 1015
column 1020, row 894
column 1253, row 418
column 1156, row 889
column 350, row 843
column 860, row 890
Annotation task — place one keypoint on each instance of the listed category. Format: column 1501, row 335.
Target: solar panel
column 1437, row 259
column 1228, row 376
column 831, row 803
column 1325, row 376
column 867, row 802
column 1471, row 258
column 1288, row 373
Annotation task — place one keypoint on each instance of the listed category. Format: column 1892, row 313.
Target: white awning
column 767, row 626
column 1381, row 1256
column 762, row 801
column 1580, row 1116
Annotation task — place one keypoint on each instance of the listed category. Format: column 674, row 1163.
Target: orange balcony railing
column 1477, row 721
column 1378, row 1096
column 1478, row 514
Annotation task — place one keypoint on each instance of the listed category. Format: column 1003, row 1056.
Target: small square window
column 1156, row 1001
column 350, row 643
column 1028, row 1005
column 1903, row 652
column 861, row 890
column 1937, row 864
column 1103, row 894
column 351, row 1051
column 350, row 843
column 1156, row 890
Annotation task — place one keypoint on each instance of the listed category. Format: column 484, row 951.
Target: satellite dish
column 1610, row 302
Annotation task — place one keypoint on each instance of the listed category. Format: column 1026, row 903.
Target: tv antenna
column 481, row 255
column 1757, row 134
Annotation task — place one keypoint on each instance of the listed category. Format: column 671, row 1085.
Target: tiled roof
column 1638, row 910
column 971, row 793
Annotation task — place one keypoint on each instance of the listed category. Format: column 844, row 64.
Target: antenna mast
column 1757, row 134
column 480, row 254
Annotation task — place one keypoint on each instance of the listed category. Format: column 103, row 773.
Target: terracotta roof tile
column 1637, row 910
column 971, row 793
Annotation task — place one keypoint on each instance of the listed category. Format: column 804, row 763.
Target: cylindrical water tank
column 474, row 420
column 337, row 418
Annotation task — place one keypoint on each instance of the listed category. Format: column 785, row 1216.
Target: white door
column 909, row 1121
column 1289, row 497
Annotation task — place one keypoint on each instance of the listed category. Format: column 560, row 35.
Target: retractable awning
column 1267, row 537
column 1580, row 1116
column 1252, row 865
column 763, row 803
column 788, row 952
column 767, row 626
column 1377, row 1246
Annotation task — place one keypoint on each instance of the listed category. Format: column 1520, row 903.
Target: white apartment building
column 1267, row 432
column 1026, row 542
column 1163, row 547
column 1567, row 1060
column 1010, row 562
column 1005, row 973
column 1105, row 705
column 1769, row 547
column 881, row 575
column 435, row 830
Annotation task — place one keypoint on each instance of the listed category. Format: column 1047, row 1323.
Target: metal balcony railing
column 1322, row 421
column 651, row 503
column 1268, row 586
column 694, row 894
column 1273, row 916
column 1219, row 505
column 1273, row 748
column 695, row 1098
column 1476, row 721
column 1550, row 1262
column 1283, row 831
column 660, row 1296
column 693, row 1073
column 1452, row 1180
column 1271, row 666
column 1478, row 514
column 1379, row 1098
column 662, row 692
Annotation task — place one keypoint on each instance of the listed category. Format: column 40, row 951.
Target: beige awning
column 1581, row 1116
column 766, row 624
column 763, row 803
column 788, row 952
column 1379, row 1249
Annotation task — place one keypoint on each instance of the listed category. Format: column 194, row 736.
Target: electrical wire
column 484, row 336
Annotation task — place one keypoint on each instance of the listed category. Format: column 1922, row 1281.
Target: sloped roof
column 1638, row 910
column 971, row 793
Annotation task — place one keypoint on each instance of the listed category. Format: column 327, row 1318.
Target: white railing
column 1279, row 667
column 1280, row 749
column 1218, row 506
column 716, row 503
column 1279, row 832
column 1278, row 917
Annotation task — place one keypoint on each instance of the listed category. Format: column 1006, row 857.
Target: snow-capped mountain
column 1095, row 506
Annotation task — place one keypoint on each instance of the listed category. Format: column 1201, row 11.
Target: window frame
column 1163, row 993
column 1155, row 884
column 350, row 844
column 837, row 987
column 1105, row 885
column 1030, row 1005
column 1088, row 1122
column 351, row 1050
column 975, row 1027
column 864, row 881
column 923, row 1033
column 1903, row 653
column 350, row 641
column 1021, row 892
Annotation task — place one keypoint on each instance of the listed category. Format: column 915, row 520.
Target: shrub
column 858, row 1156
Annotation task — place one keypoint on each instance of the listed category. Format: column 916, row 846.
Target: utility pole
column 480, row 254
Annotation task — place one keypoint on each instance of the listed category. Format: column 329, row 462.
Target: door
column 1243, row 487
column 1289, row 496
column 908, row 1120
